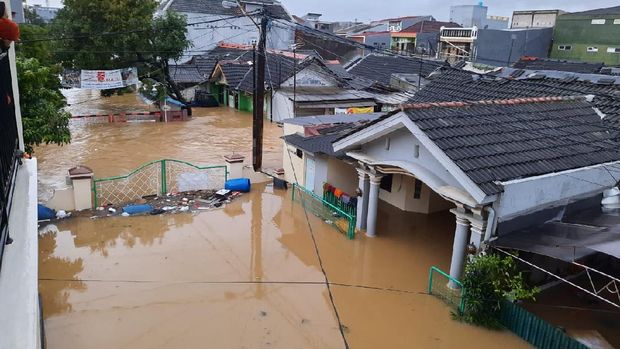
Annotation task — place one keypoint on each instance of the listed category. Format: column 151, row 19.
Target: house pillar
column 234, row 165
column 478, row 227
column 363, row 190
column 459, row 247
column 373, row 205
column 81, row 178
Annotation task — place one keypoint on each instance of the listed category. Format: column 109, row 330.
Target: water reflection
column 56, row 300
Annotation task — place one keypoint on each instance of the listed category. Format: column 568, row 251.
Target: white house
column 495, row 161
column 210, row 23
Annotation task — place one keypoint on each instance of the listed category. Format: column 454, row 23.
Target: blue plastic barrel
column 238, row 184
column 44, row 212
column 137, row 209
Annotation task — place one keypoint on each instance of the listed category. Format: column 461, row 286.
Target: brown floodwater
column 113, row 149
column 244, row 276
column 248, row 276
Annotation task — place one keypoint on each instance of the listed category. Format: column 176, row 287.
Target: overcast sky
column 365, row 10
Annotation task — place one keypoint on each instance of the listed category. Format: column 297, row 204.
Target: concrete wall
column 402, row 145
column 321, row 169
column 534, row 20
column 426, row 43
column 63, row 199
column 382, row 40
column 493, row 47
column 342, row 175
column 579, row 32
column 539, row 193
column 402, row 196
column 17, row 10
column 282, row 107
column 19, row 301
column 468, row 15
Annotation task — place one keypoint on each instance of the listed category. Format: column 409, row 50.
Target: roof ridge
column 508, row 101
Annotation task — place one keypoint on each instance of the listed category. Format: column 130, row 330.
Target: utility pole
column 259, row 98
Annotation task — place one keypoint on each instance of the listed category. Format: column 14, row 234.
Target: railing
column 535, row 330
column 9, row 145
column 330, row 214
column 349, row 208
column 521, row 322
column 438, row 281
column 158, row 178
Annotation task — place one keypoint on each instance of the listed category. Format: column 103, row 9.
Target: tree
column 35, row 43
column 104, row 34
column 490, row 280
column 42, row 104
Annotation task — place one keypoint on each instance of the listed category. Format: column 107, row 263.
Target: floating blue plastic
column 44, row 212
column 137, row 209
column 238, row 184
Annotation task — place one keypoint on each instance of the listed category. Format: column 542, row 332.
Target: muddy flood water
column 249, row 275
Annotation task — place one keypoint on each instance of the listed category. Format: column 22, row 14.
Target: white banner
column 101, row 79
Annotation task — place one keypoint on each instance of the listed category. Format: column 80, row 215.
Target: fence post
column 430, row 281
column 164, row 186
column 95, row 199
column 293, row 192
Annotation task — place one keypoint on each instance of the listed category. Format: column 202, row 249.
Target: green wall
column 245, row 102
column 578, row 32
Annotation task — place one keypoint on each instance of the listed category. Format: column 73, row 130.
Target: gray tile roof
column 332, row 119
column 199, row 68
column 215, row 7
column 321, row 144
column 459, row 85
column 510, row 139
column 380, row 68
column 556, row 64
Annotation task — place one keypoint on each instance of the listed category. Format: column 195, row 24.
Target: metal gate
column 330, row 214
column 157, row 178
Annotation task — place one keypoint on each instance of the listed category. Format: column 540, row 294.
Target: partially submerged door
column 310, row 169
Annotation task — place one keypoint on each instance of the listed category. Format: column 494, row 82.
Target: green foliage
column 43, row 117
column 489, row 279
column 41, row 49
column 112, row 34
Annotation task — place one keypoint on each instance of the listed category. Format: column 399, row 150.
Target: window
column 613, row 50
column 299, row 153
column 617, row 21
column 417, row 189
column 386, row 183
column 592, row 49
column 565, row 47
column 598, row 21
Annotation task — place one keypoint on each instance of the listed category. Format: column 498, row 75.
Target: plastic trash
column 238, row 184
column 168, row 208
column 125, row 214
column 184, row 209
column 112, row 210
column 44, row 212
column 62, row 214
column 137, row 209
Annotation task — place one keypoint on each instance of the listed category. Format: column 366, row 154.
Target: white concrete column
column 362, row 199
column 478, row 228
column 234, row 165
column 373, row 205
column 459, row 248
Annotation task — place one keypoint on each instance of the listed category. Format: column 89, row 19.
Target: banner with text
column 100, row 79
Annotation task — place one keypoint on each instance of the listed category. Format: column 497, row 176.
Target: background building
column 17, row 11
column 591, row 36
column 46, row 13
column 476, row 15
column 535, row 18
column 504, row 47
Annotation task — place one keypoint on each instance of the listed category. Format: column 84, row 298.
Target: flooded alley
column 249, row 275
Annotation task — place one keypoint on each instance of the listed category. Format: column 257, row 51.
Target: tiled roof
column 380, row 68
column 215, row 7
column 459, row 85
column 186, row 73
column 429, row 27
column 534, row 63
column 199, row 68
column 502, row 140
column 321, row 144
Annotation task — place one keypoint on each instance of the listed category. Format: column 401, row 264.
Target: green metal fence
column 329, row 213
column 438, row 281
column 524, row 324
column 332, row 199
column 535, row 330
column 157, row 178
